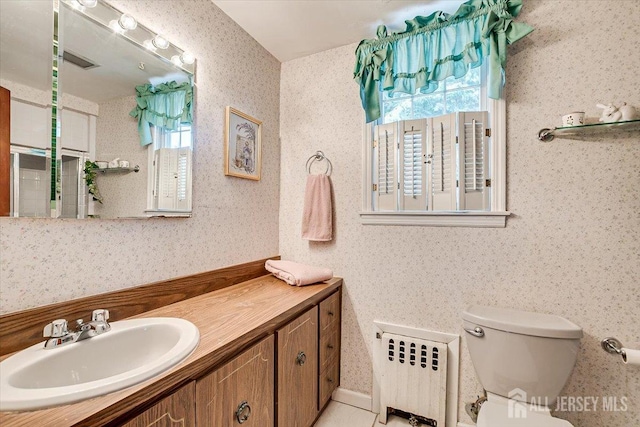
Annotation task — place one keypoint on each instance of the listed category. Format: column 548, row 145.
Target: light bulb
column 187, row 58
column 176, row 60
column 160, row 42
column 127, row 22
column 88, row 3
column 149, row 45
column 115, row 26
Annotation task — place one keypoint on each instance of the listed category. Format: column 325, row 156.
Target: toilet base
column 499, row 411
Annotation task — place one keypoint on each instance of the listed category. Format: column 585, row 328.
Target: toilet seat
column 496, row 414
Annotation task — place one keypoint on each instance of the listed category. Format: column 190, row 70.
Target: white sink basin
column 131, row 352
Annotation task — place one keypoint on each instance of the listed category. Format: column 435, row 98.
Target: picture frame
column 242, row 145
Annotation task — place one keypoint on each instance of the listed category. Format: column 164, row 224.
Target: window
column 170, row 171
column 464, row 94
column 437, row 158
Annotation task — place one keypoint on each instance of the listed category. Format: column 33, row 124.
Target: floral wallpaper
column 571, row 246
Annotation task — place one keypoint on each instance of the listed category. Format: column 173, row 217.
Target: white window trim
column 496, row 218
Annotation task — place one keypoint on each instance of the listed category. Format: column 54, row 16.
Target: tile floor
column 340, row 415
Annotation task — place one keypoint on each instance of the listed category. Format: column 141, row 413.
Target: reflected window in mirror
column 170, row 171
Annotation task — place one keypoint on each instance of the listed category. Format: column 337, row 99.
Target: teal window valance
column 166, row 105
column 438, row 46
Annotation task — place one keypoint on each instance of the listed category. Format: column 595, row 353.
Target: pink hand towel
column 316, row 216
column 297, row 274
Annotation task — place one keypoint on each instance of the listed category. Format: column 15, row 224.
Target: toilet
column 523, row 360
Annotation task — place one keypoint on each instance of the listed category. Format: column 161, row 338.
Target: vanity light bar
column 128, row 27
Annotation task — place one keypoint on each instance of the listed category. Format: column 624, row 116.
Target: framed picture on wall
column 242, row 145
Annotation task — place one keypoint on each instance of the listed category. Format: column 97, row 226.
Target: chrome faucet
column 59, row 334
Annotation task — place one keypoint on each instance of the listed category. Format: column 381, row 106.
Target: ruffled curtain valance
column 166, row 105
column 438, row 46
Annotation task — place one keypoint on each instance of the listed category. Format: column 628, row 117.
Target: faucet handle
column 56, row 329
column 100, row 315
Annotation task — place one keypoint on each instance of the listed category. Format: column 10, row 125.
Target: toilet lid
column 497, row 415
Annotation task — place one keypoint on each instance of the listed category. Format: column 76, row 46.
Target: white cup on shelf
column 575, row 118
column 123, row 163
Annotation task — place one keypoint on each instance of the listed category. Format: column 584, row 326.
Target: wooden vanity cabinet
column 297, row 349
column 176, row 410
column 300, row 365
column 239, row 392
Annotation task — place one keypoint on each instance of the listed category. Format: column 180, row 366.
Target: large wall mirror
column 107, row 131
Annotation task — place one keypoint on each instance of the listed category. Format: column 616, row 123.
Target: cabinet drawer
column 329, row 311
column 329, row 346
column 242, row 389
column 329, row 380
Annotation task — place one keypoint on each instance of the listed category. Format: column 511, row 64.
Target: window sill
column 152, row 213
column 437, row 219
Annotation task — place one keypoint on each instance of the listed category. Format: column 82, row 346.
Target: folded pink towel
column 316, row 216
column 297, row 274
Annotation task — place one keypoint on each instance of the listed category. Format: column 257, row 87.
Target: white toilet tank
column 533, row 352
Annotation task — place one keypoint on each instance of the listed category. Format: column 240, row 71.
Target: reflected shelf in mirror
column 136, row 169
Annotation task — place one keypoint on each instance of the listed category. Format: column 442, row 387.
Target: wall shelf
column 136, row 168
column 576, row 132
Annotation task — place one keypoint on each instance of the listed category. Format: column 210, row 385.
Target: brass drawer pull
column 330, row 313
column 301, row 359
column 330, row 346
column 243, row 412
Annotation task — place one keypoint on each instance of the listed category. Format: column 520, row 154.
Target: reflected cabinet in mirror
column 114, row 112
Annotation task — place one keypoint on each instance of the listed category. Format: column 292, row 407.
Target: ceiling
column 291, row 29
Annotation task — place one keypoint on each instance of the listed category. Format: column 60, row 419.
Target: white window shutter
column 413, row 171
column 442, row 141
column 474, row 160
column 183, row 190
column 167, row 165
column 387, row 168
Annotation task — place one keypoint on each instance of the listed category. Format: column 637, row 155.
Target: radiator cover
column 414, row 377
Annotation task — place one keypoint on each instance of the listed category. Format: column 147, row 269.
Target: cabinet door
column 240, row 392
column 177, row 410
column 30, row 125
column 298, row 371
column 74, row 131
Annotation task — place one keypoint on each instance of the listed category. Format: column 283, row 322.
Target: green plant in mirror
column 90, row 178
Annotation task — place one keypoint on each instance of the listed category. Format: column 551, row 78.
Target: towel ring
column 319, row 156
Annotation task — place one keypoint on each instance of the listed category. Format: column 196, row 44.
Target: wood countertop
column 229, row 320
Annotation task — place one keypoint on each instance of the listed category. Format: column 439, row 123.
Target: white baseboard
column 352, row 398
column 466, row 425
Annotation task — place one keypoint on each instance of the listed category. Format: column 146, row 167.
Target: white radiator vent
column 414, row 378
